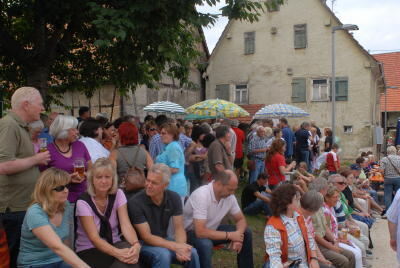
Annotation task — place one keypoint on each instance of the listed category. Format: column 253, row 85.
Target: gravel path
column 384, row 256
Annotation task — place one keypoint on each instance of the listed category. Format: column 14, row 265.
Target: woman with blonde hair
column 102, row 217
column 46, row 225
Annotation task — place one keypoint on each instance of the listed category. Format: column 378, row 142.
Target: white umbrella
column 280, row 110
column 164, row 107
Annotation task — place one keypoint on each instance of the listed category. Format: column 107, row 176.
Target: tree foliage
column 60, row 45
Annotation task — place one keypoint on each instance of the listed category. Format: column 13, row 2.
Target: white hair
column 391, row 150
column 23, row 94
column 60, row 126
column 163, row 170
column 36, row 125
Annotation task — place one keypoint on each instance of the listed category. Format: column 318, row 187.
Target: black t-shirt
column 248, row 196
column 142, row 209
column 349, row 196
column 302, row 139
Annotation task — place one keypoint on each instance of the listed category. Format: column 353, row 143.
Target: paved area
column 384, row 256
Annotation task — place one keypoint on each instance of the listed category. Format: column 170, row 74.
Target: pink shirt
column 83, row 209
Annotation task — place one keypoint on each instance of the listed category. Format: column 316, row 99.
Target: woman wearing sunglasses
column 102, row 218
column 45, row 229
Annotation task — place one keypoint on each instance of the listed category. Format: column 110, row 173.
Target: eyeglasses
column 152, row 129
column 60, row 188
column 341, row 182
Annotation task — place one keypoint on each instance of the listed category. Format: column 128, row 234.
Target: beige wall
column 265, row 71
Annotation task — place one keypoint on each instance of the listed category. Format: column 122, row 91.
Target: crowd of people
column 87, row 192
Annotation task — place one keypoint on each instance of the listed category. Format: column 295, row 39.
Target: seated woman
column 101, row 214
column 301, row 177
column 286, row 229
column 46, row 225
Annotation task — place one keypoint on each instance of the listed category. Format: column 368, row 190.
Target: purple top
column 59, row 161
column 83, row 209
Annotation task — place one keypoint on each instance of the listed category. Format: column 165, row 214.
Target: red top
column 239, row 142
column 331, row 157
column 272, row 166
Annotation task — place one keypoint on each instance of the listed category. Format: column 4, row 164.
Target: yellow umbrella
column 217, row 108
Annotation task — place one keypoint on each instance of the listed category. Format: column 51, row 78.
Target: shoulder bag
column 134, row 178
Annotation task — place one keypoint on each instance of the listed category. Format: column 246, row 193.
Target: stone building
column 285, row 57
column 108, row 100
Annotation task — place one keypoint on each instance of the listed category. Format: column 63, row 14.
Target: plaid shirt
column 296, row 247
column 256, row 143
column 156, row 145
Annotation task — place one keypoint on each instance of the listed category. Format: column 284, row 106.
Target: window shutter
column 300, row 36
column 222, row 92
column 342, row 89
column 249, row 42
column 299, row 90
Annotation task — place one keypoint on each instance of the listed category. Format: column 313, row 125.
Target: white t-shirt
column 96, row 149
column 202, row 205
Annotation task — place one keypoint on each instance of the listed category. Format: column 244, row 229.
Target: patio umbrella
column 280, row 110
column 164, row 107
column 216, row 108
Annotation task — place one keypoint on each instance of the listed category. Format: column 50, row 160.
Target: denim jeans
column 391, row 185
column 59, row 264
column 204, row 247
column 260, row 166
column 305, row 157
column 374, row 195
column 258, row 206
column 12, row 222
column 157, row 257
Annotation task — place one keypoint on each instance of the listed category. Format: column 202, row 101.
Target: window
column 348, row 129
column 320, row 90
column 300, row 36
column 222, row 92
column 272, row 5
column 342, row 88
column 241, row 94
column 249, row 43
column 299, row 90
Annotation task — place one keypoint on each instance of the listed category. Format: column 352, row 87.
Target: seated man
column 255, row 197
column 203, row 213
column 150, row 211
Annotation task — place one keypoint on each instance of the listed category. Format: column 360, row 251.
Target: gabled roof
column 323, row 3
column 391, row 69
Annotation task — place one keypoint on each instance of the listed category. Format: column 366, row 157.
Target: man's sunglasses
column 60, row 188
column 341, row 182
column 152, row 129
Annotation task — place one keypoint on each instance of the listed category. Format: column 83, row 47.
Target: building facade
column 285, row 57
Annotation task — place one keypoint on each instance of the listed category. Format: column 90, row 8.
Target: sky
column 378, row 20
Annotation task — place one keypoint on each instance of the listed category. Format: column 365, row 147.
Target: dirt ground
column 384, row 256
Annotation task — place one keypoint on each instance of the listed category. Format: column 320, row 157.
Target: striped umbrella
column 216, row 108
column 280, row 110
column 164, row 107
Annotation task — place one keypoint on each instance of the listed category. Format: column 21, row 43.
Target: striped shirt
column 339, row 213
column 256, row 143
column 296, row 245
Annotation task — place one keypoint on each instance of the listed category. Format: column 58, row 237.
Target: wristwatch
column 314, row 258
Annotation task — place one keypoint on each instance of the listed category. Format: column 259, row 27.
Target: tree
column 62, row 45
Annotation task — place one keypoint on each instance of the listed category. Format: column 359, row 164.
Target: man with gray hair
column 20, row 163
column 257, row 152
column 150, row 211
column 203, row 213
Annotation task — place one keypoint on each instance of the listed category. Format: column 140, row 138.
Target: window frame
column 297, row 30
column 241, row 90
column 249, row 42
column 327, row 90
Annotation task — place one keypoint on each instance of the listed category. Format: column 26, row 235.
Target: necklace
column 58, row 148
